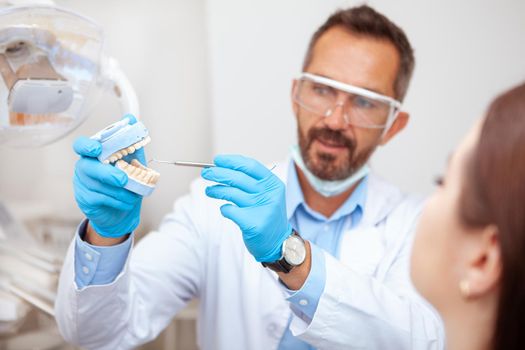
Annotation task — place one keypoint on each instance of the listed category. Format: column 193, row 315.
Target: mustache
column 331, row 136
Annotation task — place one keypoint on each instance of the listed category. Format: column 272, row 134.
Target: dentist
column 313, row 254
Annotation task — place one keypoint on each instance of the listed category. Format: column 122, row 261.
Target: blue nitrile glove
column 112, row 210
column 260, row 203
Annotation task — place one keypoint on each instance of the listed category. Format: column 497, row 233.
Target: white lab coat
column 368, row 301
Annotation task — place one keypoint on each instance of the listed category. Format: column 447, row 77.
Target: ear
column 398, row 125
column 484, row 263
column 295, row 107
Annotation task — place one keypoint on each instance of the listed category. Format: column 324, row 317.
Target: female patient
column 469, row 254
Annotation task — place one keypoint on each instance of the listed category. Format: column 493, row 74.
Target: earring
column 464, row 288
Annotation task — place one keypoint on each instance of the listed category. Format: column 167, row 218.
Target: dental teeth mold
column 121, row 139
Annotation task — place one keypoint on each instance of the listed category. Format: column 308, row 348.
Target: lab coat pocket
column 362, row 249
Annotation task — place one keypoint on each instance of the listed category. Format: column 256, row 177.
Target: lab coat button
column 303, row 302
column 88, row 256
column 85, row 269
column 326, row 228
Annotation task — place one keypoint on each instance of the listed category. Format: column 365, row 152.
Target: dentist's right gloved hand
column 112, row 210
column 260, row 203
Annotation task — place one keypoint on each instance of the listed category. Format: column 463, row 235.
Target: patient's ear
column 483, row 271
column 398, row 125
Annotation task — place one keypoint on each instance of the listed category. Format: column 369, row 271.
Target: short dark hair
column 364, row 20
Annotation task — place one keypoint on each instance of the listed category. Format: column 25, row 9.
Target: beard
column 326, row 166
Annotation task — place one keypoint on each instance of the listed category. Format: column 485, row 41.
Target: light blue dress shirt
column 101, row 265
column 323, row 234
column 96, row 265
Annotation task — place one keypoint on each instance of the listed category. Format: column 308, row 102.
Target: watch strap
column 280, row 265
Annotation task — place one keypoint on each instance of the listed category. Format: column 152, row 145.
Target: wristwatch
column 293, row 254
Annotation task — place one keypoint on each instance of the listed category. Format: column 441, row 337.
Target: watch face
column 294, row 250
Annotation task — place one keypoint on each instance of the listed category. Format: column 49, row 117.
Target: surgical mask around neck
column 325, row 187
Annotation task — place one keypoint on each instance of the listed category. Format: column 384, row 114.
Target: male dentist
column 310, row 255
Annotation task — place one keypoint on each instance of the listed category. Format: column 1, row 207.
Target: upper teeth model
column 121, row 139
column 128, row 150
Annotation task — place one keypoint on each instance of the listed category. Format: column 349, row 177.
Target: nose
column 335, row 116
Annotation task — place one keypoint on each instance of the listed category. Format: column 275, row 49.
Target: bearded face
column 331, row 155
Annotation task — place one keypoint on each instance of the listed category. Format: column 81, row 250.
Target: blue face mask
column 325, row 187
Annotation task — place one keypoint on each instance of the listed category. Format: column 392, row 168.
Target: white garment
column 368, row 301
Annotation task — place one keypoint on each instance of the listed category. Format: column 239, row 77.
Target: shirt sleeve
column 95, row 265
column 304, row 301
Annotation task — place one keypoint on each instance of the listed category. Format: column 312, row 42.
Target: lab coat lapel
column 362, row 246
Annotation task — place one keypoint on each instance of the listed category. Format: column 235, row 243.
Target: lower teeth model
column 121, row 139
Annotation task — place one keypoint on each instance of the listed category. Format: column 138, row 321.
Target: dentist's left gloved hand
column 260, row 203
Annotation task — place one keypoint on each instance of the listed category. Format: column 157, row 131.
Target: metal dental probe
column 182, row 163
column 192, row 164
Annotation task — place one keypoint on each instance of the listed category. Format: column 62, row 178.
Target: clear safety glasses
column 361, row 107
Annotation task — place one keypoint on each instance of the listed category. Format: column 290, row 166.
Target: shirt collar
column 295, row 198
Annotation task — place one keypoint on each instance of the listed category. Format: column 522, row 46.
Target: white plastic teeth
column 129, row 150
column 139, row 172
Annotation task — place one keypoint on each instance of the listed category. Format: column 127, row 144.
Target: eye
column 439, row 180
column 363, row 102
column 322, row 90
